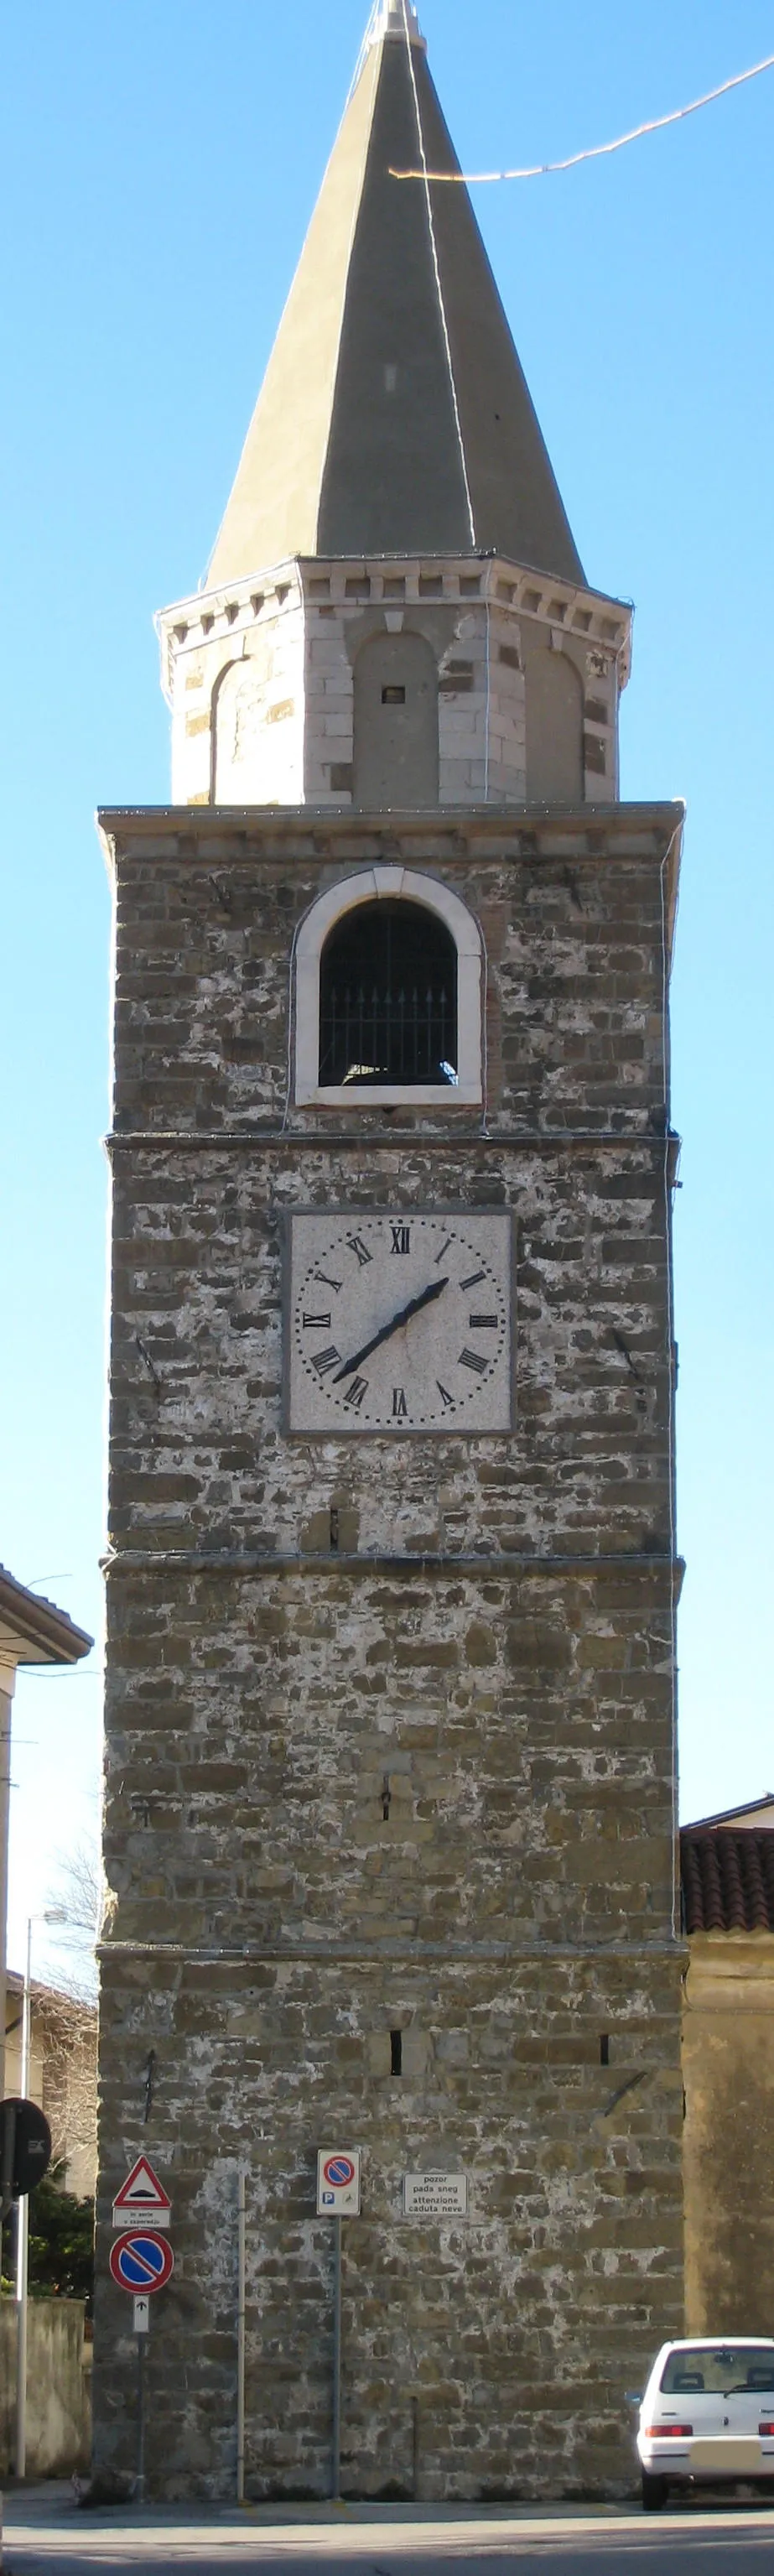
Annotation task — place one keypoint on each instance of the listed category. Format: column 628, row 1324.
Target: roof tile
column 727, row 1880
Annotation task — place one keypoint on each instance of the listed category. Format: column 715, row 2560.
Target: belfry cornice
column 230, row 612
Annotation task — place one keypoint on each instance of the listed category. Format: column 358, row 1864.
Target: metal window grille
column 386, row 1038
column 388, row 1000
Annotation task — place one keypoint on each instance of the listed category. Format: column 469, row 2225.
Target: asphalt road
column 45, row 2536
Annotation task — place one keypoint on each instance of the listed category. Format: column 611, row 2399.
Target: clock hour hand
column 427, row 1298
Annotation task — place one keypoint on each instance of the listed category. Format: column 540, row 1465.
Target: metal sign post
column 336, row 2442
column 141, row 2261
column 338, row 2197
column 241, row 2302
column 142, row 2345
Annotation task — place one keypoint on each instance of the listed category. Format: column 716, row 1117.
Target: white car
column 707, row 2414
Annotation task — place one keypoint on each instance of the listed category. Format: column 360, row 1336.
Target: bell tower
column 391, row 1574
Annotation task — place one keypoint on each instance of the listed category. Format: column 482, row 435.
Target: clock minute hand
column 427, row 1298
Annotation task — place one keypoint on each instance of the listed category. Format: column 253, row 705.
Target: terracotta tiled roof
column 728, row 1880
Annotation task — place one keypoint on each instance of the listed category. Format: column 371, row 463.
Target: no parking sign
column 338, row 2182
column 141, row 2263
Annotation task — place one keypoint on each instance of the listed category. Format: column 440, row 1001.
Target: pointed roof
column 758, row 1812
column 34, row 1631
column 394, row 417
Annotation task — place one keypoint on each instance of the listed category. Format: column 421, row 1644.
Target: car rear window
column 718, row 2369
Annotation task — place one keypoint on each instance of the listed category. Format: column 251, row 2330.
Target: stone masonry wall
column 728, row 2067
column 390, row 1724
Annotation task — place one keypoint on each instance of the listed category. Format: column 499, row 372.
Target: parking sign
column 338, row 2182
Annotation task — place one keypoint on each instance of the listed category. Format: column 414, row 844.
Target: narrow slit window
column 396, row 2052
column 604, row 2048
column 388, row 999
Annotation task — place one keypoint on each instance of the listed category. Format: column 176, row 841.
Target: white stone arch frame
column 369, row 886
column 235, row 664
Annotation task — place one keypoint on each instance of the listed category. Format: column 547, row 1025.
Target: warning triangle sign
column 142, row 2196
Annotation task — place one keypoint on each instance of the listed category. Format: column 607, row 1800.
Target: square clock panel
column 399, row 1321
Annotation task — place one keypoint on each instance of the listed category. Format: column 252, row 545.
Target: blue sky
column 160, row 166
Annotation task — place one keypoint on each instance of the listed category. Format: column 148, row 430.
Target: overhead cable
column 596, row 152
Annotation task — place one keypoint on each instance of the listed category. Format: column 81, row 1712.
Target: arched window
column 388, row 993
column 395, row 723
column 388, row 998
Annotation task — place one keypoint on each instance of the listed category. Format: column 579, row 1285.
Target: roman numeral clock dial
column 399, row 1322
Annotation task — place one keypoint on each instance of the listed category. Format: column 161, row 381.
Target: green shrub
column 61, row 2246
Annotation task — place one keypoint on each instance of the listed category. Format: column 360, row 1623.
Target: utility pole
column 55, row 1914
column 22, row 2240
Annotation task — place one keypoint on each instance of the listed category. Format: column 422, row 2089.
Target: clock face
column 399, row 1322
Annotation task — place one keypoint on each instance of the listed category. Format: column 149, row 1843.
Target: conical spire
column 394, row 417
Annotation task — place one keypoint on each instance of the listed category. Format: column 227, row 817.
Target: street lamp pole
column 22, row 2240
column 55, row 1914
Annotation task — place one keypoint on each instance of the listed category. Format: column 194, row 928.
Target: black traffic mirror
column 25, row 2150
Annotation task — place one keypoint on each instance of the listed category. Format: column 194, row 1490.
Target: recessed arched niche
column 388, row 995
column 395, row 748
column 554, row 716
column 242, row 744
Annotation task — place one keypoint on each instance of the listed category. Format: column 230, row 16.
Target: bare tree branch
column 78, row 1889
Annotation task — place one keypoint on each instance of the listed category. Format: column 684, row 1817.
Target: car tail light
column 668, row 2432
column 766, row 2428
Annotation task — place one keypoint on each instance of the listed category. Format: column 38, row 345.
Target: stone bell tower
column 389, row 1820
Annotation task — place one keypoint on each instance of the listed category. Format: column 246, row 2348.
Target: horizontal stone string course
column 454, row 834
column 496, row 1952
column 256, row 1139
column 319, row 1562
